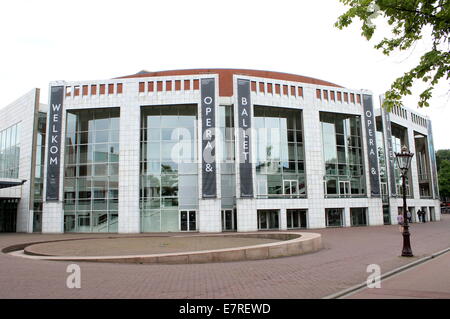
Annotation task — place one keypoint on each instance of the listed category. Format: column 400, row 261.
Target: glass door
column 188, row 220
column 334, row 217
column 228, row 220
column 268, row 219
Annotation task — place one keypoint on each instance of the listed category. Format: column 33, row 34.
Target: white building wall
column 209, row 214
column 23, row 110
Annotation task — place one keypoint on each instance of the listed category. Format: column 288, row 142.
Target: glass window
column 168, row 150
column 334, row 217
column 341, row 134
column 95, row 196
column 278, row 150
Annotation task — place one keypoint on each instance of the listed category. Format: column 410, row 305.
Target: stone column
column 130, row 114
column 313, row 160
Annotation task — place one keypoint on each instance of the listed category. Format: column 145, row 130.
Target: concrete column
column 315, row 167
column 347, row 217
column 130, row 114
column 209, row 216
column 394, row 210
column 283, row 220
column 247, row 217
column 414, row 183
column 375, row 212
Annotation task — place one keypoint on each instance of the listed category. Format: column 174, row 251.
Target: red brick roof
column 226, row 77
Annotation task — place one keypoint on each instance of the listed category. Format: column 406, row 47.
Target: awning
column 5, row 184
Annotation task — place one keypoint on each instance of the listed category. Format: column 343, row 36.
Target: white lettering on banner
column 54, row 143
column 208, row 100
column 371, row 142
column 208, row 111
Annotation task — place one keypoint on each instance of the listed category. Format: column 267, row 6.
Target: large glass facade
column 280, row 158
column 10, row 151
column 169, row 177
column 91, row 170
column 382, row 160
column 343, row 155
column 400, row 139
column 39, row 172
column 423, row 165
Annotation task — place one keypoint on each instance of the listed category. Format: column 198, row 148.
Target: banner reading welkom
column 54, row 143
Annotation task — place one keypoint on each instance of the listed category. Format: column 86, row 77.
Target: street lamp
column 403, row 162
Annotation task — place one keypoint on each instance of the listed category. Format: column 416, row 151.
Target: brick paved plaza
column 341, row 264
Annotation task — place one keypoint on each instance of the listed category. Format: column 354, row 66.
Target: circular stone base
column 178, row 249
column 141, row 245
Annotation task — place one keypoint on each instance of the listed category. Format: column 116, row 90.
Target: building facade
column 214, row 150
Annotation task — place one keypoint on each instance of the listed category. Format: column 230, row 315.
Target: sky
column 43, row 41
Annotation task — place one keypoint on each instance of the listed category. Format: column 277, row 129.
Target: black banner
column 54, row 143
column 432, row 159
column 245, row 125
column 208, row 104
column 372, row 150
column 390, row 157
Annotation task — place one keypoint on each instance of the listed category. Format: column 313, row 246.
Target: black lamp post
column 404, row 161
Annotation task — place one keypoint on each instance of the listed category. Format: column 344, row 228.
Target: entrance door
column 386, row 215
column 432, row 215
column 8, row 215
column 333, row 217
column 37, row 222
column 228, row 220
column 296, row 218
column 188, row 220
column 268, row 219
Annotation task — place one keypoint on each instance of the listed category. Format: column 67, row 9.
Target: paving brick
column 341, row 264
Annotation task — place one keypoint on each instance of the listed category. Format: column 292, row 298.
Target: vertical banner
column 245, row 125
column 389, row 150
column 432, row 153
column 372, row 150
column 208, row 105
column 54, row 143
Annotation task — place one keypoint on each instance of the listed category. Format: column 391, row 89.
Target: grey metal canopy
column 6, row 184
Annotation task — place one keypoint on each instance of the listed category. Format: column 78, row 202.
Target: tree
column 444, row 179
column 440, row 156
column 407, row 19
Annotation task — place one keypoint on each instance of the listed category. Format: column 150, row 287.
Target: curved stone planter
column 291, row 244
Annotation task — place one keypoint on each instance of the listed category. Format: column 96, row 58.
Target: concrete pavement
column 430, row 280
column 340, row 265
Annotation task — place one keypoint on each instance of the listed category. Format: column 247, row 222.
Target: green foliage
column 442, row 155
column 444, row 179
column 407, row 19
